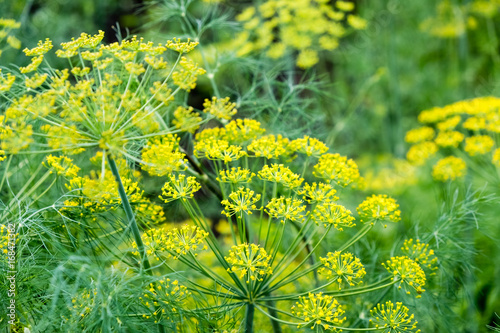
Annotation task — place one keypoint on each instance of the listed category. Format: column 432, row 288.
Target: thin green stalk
column 146, row 266
column 250, row 310
column 356, row 237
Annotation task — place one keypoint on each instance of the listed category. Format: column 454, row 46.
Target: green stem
column 130, row 215
column 356, row 237
column 146, row 266
column 274, row 314
column 249, row 318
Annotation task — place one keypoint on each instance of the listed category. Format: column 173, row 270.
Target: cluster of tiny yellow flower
column 469, row 125
column 392, row 319
column 408, row 271
column 161, row 156
column 241, row 201
column 308, row 26
column 118, row 93
column 179, row 188
column 94, row 194
column 249, row 261
column 342, row 267
column 421, row 253
column 62, row 165
column 6, row 27
column 338, row 169
column 173, row 243
column 379, row 208
column 319, row 309
column 452, row 20
column 82, row 305
column 163, row 299
column 391, row 174
column 286, row 209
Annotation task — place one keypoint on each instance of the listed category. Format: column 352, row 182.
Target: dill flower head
column 286, row 209
column 95, row 194
column 306, row 27
column 235, row 176
column 309, row 146
column 164, row 298
column 392, row 319
column 214, row 149
column 318, row 193
column 241, row 201
column 478, row 144
column 449, row 139
column 336, row 168
column 343, row 268
column 269, row 146
column 185, row 119
column 113, row 95
column 449, row 168
column 249, row 261
column 279, row 173
column 319, row 309
column 180, row 187
column 220, row 108
column 330, row 213
column 161, row 156
column 408, row 271
column 420, row 252
column 421, row 152
column 420, row 134
column 184, row 240
column 62, row 165
column 6, row 27
column 379, row 207
column 240, row 131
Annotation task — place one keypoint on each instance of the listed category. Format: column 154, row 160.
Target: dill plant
column 110, row 101
column 267, row 262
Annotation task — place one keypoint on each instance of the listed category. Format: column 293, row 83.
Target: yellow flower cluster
column 338, row 169
column 285, row 209
column 161, row 156
column 241, row 201
column 163, row 298
column 278, row 173
column 408, row 271
column 379, row 207
column 420, row 252
column 6, row 27
column 62, row 165
column 269, row 146
column 235, row 176
column 318, row 309
column 83, row 303
column 173, row 243
column 330, row 213
column 470, row 125
column 308, row 26
column 220, row 108
column 105, row 101
column 179, row 187
column 342, row 267
column 449, row 168
column 185, row 119
column 452, row 20
column 95, row 194
column 318, row 192
column 309, row 146
column 250, row 261
column 392, row 319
